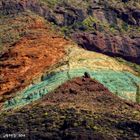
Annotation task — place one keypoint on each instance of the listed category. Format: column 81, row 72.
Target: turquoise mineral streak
column 119, row 83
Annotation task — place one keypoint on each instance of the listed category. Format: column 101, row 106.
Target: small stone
column 86, row 75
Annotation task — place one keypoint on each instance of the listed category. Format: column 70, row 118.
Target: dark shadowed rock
column 116, row 46
column 72, row 16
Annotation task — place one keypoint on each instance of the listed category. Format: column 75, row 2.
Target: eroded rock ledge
column 114, row 16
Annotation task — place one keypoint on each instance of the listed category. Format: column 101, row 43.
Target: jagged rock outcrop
column 131, row 15
column 115, row 46
column 107, row 16
column 11, row 6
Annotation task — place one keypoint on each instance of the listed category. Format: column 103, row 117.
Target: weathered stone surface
column 81, row 109
column 36, row 62
column 67, row 14
column 118, row 77
column 115, row 46
column 71, row 15
column 28, row 58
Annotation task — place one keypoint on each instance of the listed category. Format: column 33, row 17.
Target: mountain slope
column 70, row 69
column 79, row 109
column 110, row 27
column 24, row 60
column 25, row 66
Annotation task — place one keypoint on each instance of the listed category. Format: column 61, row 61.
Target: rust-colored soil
column 29, row 57
column 88, row 94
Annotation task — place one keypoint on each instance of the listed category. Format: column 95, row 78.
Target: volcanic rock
column 93, row 113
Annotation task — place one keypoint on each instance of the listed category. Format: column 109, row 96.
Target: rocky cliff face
column 46, row 45
column 115, row 46
column 107, row 27
column 114, row 24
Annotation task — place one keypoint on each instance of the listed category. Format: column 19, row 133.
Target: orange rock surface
column 28, row 58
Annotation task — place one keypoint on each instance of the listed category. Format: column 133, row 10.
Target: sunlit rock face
column 69, row 69
column 28, row 48
column 36, row 61
column 120, row 78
